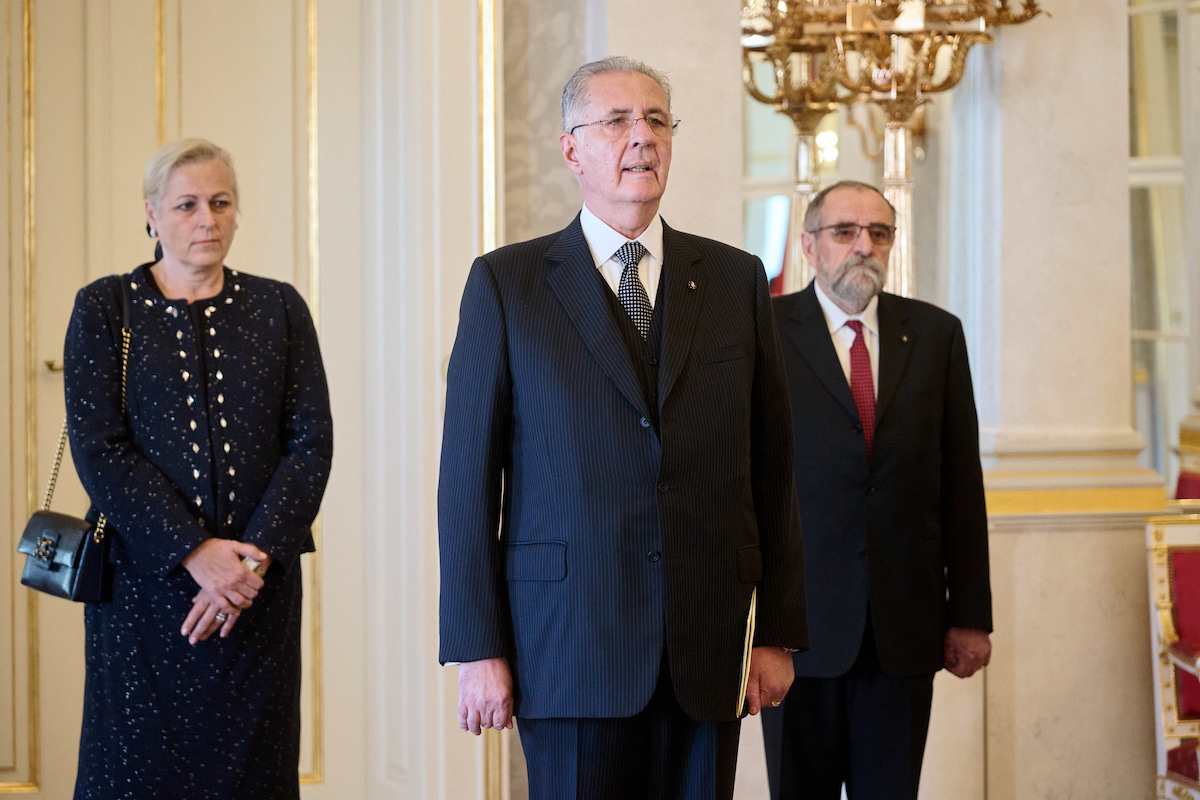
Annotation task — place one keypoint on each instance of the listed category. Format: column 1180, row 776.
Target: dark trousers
column 865, row 728
column 659, row 753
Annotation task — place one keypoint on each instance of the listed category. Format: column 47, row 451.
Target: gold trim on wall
column 314, row 239
column 160, row 69
column 8, row 162
column 489, row 194
column 317, row 775
column 31, row 417
column 1075, row 501
column 488, row 123
column 1180, row 519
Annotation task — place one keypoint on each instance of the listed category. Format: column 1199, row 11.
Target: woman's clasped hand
column 227, row 586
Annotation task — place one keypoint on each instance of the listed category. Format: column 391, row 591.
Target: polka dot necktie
column 631, row 291
column 862, row 385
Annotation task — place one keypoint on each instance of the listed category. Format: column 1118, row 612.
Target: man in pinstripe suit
column 616, row 482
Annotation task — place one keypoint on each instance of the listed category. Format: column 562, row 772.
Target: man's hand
column 771, row 675
column 967, row 651
column 485, row 695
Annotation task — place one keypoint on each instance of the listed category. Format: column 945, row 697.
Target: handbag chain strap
column 98, row 534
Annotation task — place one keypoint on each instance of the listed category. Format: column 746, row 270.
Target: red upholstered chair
column 1188, row 486
column 1174, row 559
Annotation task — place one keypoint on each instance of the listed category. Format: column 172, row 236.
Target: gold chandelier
column 892, row 52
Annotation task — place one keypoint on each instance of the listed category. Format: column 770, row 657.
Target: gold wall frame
column 33, row 723
column 489, row 216
column 317, row 773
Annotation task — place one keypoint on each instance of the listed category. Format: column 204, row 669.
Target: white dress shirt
column 843, row 337
column 604, row 243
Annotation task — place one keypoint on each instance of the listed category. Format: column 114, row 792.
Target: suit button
column 654, row 555
column 645, row 422
column 653, row 361
column 662, row 487
column 869, row 490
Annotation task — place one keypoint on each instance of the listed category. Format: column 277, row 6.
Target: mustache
column 870, row 262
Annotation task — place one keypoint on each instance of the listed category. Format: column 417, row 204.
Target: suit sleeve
column 475, row 453
column 964, row 512
column 782, row 617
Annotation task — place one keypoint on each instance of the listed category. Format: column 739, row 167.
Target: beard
column 858, row 279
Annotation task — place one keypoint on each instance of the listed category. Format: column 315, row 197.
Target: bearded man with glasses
column 891, row 508
column 620, row 547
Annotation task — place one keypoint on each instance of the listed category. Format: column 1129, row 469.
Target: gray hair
column 574, row 94
column 812, row 217
column 173, row 155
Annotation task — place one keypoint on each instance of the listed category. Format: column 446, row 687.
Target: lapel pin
column 692, row 285
column 904, row 338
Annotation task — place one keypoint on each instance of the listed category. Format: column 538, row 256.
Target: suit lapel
column 572, row 278
column 895, row 346
column 683, row 283
column 810, row 333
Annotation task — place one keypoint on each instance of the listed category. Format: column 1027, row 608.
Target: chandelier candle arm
column 898, row 189
column 799, row 272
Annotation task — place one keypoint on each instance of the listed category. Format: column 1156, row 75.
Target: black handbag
column 67, row 556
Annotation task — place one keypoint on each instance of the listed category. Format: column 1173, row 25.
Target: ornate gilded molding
column 1162, row 538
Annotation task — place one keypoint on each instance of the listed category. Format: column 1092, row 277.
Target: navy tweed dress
column 227, row 433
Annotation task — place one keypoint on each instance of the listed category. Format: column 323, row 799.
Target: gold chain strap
column 62, row 444
column 98, row 534
column 125, row 334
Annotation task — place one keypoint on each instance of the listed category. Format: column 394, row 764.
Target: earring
column 153, row 234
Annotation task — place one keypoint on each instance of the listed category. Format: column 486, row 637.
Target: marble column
column 1040, row 275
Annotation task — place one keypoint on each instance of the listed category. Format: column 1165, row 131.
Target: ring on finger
column 775, row 703
column 222, row 616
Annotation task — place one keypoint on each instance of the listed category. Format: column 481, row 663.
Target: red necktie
column 862, row 386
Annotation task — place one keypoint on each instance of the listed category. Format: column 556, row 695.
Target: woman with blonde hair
column 210, row 468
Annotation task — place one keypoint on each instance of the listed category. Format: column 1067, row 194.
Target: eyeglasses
column 661, row 125
column 847, row 232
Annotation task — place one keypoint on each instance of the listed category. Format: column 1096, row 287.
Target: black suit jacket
column 903, row 532
column 578, row 538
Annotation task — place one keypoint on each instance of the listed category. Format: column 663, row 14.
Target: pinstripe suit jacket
column 578, row 542
column 902, row 532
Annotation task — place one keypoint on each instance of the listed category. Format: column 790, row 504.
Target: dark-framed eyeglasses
column 847, row 232
column 661, row 125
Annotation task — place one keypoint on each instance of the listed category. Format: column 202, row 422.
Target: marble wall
column 544, row 42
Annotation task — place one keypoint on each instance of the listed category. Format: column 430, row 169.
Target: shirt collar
column 604, row 241
column 836, row 318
